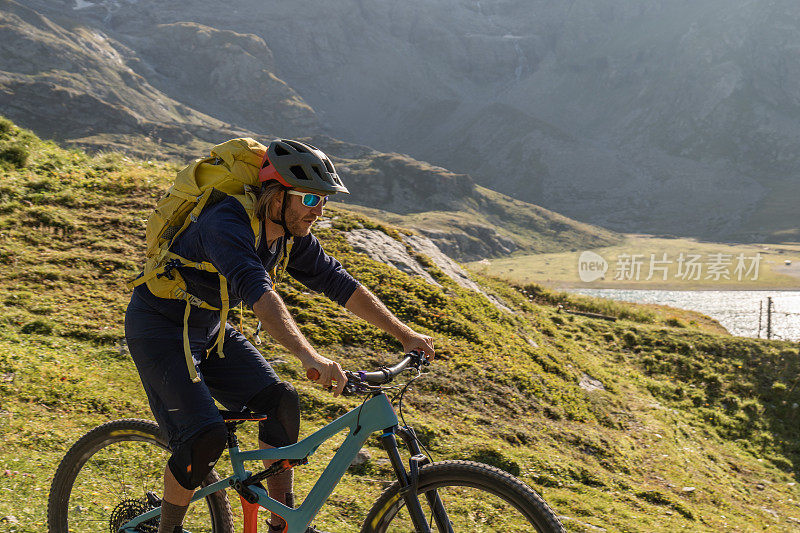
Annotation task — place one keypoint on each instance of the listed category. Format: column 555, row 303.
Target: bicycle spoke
column 104, row 480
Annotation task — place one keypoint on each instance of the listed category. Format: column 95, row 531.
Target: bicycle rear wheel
column 114, row 473
column 476, row 498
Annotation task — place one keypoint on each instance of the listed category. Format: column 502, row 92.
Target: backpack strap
column 223, row 313
column 191, row 300
column 201, row 200
column 277, row 271
column 166, row 263
column 187, row 349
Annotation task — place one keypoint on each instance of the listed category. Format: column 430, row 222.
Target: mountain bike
column 110, row 479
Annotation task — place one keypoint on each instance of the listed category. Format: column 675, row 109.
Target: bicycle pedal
column 152, row 499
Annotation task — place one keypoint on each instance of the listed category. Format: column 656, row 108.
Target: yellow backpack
column 230, row 171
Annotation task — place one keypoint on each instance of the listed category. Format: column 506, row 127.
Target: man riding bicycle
column 296, row 180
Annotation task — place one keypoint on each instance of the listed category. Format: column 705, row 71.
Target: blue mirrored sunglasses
column 310, row 199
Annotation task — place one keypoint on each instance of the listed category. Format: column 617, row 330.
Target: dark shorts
column 180, row 406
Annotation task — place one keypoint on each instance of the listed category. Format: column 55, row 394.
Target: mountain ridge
column 657, row 117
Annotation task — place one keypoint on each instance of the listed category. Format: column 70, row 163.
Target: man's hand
column 421, row 343
column 324, row 371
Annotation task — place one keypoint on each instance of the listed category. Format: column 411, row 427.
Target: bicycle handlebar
column 381, row 376
column 385, row 375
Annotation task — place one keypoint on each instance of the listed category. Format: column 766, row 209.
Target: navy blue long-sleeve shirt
column 223, row 236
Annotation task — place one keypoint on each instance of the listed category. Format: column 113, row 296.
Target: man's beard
column 296, row 225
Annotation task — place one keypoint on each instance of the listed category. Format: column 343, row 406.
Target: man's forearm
column 366, row 305
column 276, row 320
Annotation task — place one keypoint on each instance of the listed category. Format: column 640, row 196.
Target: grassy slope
column 533, row 228
column 682, row 407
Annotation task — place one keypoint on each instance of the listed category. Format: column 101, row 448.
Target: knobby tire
column 477, row 497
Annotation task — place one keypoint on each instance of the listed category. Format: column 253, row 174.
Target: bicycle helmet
column 296, row 164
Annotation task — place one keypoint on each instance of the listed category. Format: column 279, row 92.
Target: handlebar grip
column 312, row 374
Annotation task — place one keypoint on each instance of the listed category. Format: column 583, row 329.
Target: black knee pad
column 281, row 404
column 193, row 460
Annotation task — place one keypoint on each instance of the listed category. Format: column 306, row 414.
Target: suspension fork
column 408, row 480
column 418, row 460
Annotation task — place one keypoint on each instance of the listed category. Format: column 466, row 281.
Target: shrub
column 490, row 456
column 15, row 155
column 782, row 463
column 6, row 126
column 752, row 408
column 776, row 392
column 584, row 476
column 546, row 480
column 51, row 217
column 675, row 322
column 630, row 339
column 43, row 327
column 41, row 185
column 658, row 498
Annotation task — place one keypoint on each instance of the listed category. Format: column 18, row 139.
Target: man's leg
column 174, row 504
column 282, row 428
column 280, row 487
column 244, row 378
column 190, row 463
column 186, row 413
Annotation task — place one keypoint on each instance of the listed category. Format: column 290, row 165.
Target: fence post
column 760, row 312
column 769, row 317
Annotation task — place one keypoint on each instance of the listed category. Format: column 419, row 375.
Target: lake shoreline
column 736, row 311
column 559, row 286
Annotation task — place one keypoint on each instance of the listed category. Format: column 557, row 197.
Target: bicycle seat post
column 233, row 441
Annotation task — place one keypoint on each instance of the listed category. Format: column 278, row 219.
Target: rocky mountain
column 652, row 116
column 76, row 82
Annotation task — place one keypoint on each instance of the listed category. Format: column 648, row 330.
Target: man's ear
column 274, row 207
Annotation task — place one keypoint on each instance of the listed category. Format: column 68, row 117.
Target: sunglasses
column 310, row 199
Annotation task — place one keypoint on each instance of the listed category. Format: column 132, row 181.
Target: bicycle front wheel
column 115, row 473
column 475, row 498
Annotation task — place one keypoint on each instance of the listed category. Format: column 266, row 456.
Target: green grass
column 683, row 404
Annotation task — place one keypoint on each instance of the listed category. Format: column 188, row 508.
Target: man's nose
column 317, row 209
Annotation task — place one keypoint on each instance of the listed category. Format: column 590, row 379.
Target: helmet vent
column 297, row 146
column 328, row 165
column 316, row 170
column 298, row 172
column 280, row 150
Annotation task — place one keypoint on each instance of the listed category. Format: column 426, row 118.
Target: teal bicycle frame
column 375, row 414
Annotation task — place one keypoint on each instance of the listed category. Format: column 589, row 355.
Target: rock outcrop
column 226, row 74
column 381, row 247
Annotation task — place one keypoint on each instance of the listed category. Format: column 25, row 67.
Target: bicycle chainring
column 127, row 510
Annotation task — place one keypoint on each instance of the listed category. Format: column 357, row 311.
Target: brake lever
column 419, row 359
column 354, row 384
